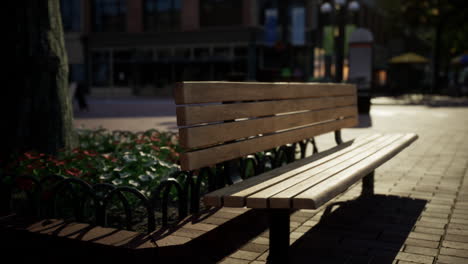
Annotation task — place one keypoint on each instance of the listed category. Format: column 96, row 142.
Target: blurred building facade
column 141, row 47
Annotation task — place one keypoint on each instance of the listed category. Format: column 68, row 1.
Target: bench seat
column 311, row 182
column 220, row 123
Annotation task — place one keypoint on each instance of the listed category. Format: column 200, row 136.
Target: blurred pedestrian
column 80, row 95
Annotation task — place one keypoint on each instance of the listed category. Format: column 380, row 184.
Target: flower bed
column 113, row 178
column 121, row 179
column 120, row 158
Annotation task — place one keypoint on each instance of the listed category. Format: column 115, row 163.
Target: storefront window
column 215, row 13
column 121, row 67
column 201, row 53
column 263, row 6
column 100, row 67
column 71, row 15
column 109, row 15
column 161, row 15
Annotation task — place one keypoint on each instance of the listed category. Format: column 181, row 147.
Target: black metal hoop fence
column 54, row 196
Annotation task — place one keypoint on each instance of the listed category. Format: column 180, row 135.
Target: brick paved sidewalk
column 419, row 213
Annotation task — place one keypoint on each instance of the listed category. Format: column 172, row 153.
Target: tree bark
column 437, row 52
column 40, row 117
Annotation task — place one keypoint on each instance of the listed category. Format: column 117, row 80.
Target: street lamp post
column 337, row 8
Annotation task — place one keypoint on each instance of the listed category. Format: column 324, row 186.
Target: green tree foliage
column 439, row 23
column 424, row 16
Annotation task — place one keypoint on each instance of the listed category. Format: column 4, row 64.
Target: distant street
column 133, row 114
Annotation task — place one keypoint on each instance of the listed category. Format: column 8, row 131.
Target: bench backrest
column 220, row 121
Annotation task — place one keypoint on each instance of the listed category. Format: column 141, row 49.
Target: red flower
column 116, row 142
column 32, row 155
column 73, row 172
column 90, row 153
column 155, row 138
column 78, row 157
column 140, row 141
column 155, row 148
column 76, row 150
column 35, row 165
column 109, row 157
column 59, row 162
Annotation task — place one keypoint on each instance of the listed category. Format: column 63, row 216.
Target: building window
column 77, row 72
column 161, row 15
column 71, row 15
column 215, row 13
column 100, row 66
column 263, row 7
column 109, row 15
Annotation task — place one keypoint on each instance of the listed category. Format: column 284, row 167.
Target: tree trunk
column 439, row 30
column 41, row 114
column 436, row 60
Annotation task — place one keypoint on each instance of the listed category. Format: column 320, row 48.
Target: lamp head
column 326, row 8
column 354, row 6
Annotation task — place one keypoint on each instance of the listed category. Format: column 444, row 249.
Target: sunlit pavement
column 131, row 114
column 418, row 215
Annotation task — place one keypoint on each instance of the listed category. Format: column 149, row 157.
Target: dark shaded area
column 39, row 114
column 369, row 229
column 23, row 247
column 220, row 242
column 15, row 240
column 365, row 120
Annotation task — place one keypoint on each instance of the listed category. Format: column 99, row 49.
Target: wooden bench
column 220, row 122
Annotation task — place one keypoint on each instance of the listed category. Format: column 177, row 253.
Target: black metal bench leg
column 279, row 235
column 368, row 184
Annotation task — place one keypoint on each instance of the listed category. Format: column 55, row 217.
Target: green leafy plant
column 121, row 158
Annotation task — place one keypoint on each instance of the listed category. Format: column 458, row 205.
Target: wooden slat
column 210, row 156
column 278, row 196
column 197, row 114
column 257, row 196
column 201, row 136
column 234, row 195
column 320, row 194
column 206, row 92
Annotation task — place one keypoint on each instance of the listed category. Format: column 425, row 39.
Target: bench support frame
column 368, row 184
column 279, row 235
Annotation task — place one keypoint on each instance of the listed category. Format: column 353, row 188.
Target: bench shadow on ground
column 365, row 230
column 215, row 245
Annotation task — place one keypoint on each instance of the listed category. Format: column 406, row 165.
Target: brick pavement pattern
column 419, row 213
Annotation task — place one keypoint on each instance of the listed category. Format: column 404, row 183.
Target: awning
column 461, row 59
column 408, row 58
